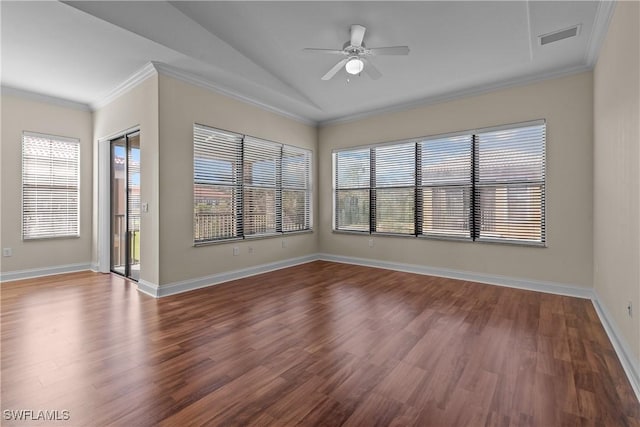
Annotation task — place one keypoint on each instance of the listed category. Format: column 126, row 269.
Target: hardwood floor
column 317, row 344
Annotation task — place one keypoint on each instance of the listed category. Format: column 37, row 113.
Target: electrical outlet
column 250, row 249
column 630, row 309
column 370, row 243
column 236, row 251
column 7, row 252
column 284, row 243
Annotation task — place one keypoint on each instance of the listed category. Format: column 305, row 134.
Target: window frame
column 348, row 188
column 78, row 169
column 306, row 188
column 510, row 183
column 240, row 202
column 475, row 213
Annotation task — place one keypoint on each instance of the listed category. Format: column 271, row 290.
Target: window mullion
column 418, row 191
column 239, row 207
column 279, row 192
column 474, row 208
column 372, row 191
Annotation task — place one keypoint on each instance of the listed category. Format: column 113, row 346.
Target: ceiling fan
column 355, row 53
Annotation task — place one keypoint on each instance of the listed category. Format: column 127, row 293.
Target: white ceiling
column 81, row 51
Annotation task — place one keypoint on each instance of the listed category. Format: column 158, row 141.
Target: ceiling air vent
column 559, row 35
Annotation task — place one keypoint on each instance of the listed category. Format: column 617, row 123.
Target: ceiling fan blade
column 371, row 70
column 329, row 51
column 357, row 34
column 332, row 72
column 391, row 50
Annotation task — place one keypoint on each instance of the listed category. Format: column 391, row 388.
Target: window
column 262, row 198
column 217, row 187
column 296, row 189
column 445, row 170
column 245, row 186
column 352, row 189
column 50, row 186
column 510, row 179
column 394, row 188
column 483, row 186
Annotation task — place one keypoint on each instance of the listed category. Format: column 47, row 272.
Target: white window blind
column 262, row 197
column 50, row 186
column 247, row 187
column 217, row 184
column 393, row 196
column 296, row 189
column 352, row 177
column 445, row 172
column 510, row 184
column 483, row 186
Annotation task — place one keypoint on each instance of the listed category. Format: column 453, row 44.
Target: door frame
column 104, row 197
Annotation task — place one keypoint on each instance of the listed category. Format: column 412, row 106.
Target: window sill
column 445, row 238
column 252, row 237
column 40, row 239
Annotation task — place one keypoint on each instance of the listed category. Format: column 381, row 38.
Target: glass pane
column 395, row 208
column 261, row 162
column 295, row 210
column 445, row 211
column 511, row 155
column 296, row 166
column 395, row 165
column 118, row 206
column 214, row 212
column 352, row 210
column 133, row 206
column 216, row 156
column 511, row 212
column 352, row 169
column 446, row 160
column 259, row 210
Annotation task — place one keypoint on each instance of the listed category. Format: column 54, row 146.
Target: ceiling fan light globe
column 354, row 66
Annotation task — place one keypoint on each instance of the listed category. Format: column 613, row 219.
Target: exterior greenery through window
column 50, row 186
column 484, row 186
column 245, row 186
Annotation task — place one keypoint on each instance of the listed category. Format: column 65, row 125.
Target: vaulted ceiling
column 81, row 51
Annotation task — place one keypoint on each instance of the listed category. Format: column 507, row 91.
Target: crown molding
column 33, row 96
column 208, row 84
column 601, row 22
column 473, row 91
column 132, row 81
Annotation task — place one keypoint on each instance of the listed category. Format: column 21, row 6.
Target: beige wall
column 566, row 103
column 181, row 105
column 20, row 114
column 137, row 107
column 617, row 172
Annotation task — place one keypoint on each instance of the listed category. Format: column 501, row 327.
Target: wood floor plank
column 317, row 344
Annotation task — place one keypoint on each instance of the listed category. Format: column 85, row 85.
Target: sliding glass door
column 125, row 205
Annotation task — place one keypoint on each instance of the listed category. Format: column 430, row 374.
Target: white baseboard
column 215, row 279
column 9, row 276
column 492, row 279
column 148, row 288
column 629, row 363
